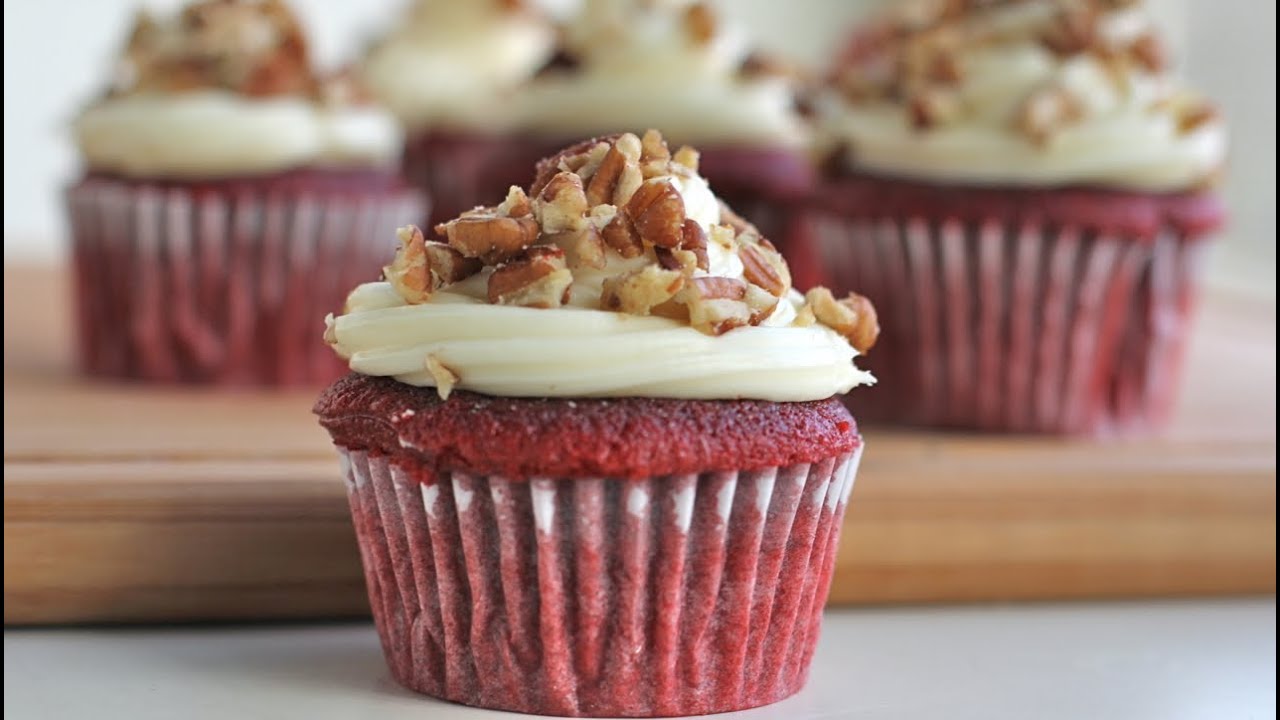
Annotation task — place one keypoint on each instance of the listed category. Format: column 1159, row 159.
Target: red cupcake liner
column 1019, row 327
column 675, row 595
column 222, row 282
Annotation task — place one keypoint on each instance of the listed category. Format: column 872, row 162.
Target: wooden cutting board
column 129, row 503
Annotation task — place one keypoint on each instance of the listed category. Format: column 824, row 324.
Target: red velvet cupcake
column 591, row 446
column 1026, row 190
column 229, row 196
column 448, row 70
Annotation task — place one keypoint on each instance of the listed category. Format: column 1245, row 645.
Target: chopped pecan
column 448, row 266
column 805, row 316
column 483, row 234
column 1196, row 116
column 408, row 272
column 735, row 221
column 658, row 212
column 572, row 158
column 1072, row 30
column 538, row 278
column 618, row 175
column 562, row 204
column 686, row 261
column 621, row 235
column 761, row 302
column 764, row 267
column 1045, row 112
column 686, row 157
column 933, row 107
column 444, row 377
column 639, row 291
column 700, row 23
column 724, row 236
column 720, row 288
column 1149, row 52
column 583, row 248
column 853, row 317
column 516, row 203
column 716, row 304
column 694, row 239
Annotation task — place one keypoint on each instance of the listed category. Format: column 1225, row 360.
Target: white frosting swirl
column 579, row 352
column 640, row 67
column 214, row 133
column 453, row 64
column 1127, row 136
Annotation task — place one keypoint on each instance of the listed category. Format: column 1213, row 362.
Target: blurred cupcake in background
column 1026, row 191
column 448, row 70
column 625, row 65
column 229, row 195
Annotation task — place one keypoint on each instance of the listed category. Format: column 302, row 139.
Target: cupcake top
column 1021, row 92
column 618, row 274
column 226, row 88
column 454, row 64
column 670, row 64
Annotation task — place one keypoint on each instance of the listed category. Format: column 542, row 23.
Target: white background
column 57, row 53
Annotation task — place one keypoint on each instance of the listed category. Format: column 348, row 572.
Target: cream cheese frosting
column 223, row 88
column 212, row 133
column 666, row 64
column 1031, row 92
column 585, row 332
column 454, row 64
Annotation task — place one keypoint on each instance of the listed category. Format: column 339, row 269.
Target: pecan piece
column 764, row 267
column 483, row 234
column 700, row 23
column 444, row 377
column 1196, row 117
column 716, row 304
column 686, row 261
column 621, row 235
column 854, row 317
column 934, row 107
column 537, row 278
column 1045, row 112
column 422, row 267
column 1073, row 30
column 618, row 174
column 658, row 212
column 516, row 203
column 693, row 239
column 1150, row 53
column 562, row 204
column 686, row 157
column 639, row 291
column 583, row 248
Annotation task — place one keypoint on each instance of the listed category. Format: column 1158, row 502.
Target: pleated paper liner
column 1027, row 328
column 675, row 595
column 223, row 283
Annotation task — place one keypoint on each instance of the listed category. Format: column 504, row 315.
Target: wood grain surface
column 132, row 503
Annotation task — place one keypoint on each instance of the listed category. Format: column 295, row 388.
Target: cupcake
column 448, row 70
column 1030, row 193
column 591, row 446
column 229, row 195
column 674, row 65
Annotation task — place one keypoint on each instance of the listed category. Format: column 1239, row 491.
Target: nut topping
column 658, row 213
column 853, row 317
column 639, row 291
column 538, row 278
column 621, row 235
column 764, row 267
column 483, row 234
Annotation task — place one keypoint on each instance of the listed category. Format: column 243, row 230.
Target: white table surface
column 1212, row 659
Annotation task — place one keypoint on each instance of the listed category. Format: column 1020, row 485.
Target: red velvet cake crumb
column 519, row 438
